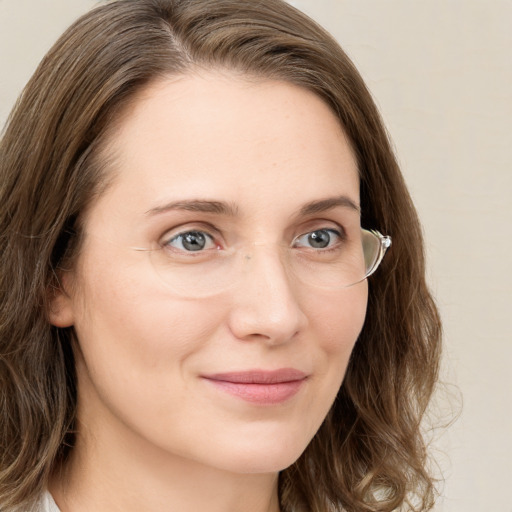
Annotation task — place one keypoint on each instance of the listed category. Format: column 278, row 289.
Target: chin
column 260, row 457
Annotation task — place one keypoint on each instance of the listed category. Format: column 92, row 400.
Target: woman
column 186, row 322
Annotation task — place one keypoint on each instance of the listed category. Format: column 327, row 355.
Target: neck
column 110, row 472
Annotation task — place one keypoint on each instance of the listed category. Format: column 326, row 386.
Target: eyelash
column 182, row 234
column 339, row 235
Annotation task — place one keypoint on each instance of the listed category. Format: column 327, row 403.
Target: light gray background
column 441, row 72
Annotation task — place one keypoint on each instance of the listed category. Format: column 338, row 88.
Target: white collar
column 48, row 503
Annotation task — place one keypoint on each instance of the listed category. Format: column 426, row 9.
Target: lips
column 259, row 376
column 259, row 386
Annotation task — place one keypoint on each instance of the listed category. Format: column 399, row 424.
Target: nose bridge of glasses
column 271, row 258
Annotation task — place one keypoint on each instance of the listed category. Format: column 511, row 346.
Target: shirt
column 47, row 503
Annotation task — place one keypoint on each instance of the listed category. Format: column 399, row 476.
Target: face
column 239, row 378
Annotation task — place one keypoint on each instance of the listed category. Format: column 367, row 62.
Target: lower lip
column 264, row 394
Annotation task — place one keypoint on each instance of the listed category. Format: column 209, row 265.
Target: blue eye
column 191, row 241
column 318, row 239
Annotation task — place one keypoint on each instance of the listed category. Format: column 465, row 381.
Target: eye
column 191, row 241
column 318, row 239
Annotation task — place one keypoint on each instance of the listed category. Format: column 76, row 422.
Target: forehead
column 222, row 136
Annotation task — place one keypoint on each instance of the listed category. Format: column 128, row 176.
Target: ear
column 60, row 311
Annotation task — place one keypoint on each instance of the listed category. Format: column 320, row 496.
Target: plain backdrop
column 441, row 73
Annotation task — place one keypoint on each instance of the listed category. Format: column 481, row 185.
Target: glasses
column 192, row 265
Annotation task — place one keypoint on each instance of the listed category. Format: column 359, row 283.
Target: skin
column 153, row 435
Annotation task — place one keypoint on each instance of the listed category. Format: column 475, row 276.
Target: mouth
column 260, row 386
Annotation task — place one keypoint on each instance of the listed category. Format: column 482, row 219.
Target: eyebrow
column 231, row 210
column 197, row 205
column 330, row 203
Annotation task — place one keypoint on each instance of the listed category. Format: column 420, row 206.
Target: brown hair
column 369, row 454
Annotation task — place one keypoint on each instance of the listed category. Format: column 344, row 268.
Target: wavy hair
column 369, row 454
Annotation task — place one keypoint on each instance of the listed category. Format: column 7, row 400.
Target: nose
column 266, row 303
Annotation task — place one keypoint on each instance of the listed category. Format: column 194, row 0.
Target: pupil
column 194, row 241
column 319, row 239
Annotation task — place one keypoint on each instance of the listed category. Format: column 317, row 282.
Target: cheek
column 136, row 350
column 134, row 337
column 142, row 330
column 337, row 322
column 339, row 318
